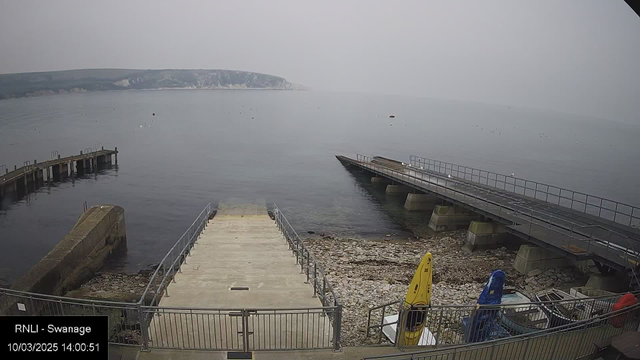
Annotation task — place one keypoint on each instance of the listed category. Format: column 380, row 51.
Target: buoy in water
column 154, row 114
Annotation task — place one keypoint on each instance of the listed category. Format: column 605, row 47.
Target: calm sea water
column 208, row 146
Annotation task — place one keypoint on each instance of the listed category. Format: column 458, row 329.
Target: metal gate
column 241, row 329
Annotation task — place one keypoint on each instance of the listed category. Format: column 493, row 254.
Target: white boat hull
column 389, row 331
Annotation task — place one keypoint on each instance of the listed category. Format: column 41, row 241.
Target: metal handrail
column 301, row 249
column 574, row 225
column 513, row 209
column 522, row 337
column 183, row 246
column 570, row 303
column 437, row 166
column 238, row 309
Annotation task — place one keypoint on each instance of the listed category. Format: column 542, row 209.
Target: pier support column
column 55, row 169
column 397, row 189
column 613, row 283
column 21, row 186
column 116, row 155
column 101, row 161
column 445, row 218
column 64, row 171
column 421, row 202
column 80, row 167
column 485, row 235
column 376, row 180
column 39, row 177
column 28, row 177
column 531, row 257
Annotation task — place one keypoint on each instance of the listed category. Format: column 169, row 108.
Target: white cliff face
column 123, row 83
column 35, row 84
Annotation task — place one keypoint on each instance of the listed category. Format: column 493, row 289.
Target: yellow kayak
column 417, row 301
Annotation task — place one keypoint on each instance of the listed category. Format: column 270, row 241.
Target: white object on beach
column 389, row 331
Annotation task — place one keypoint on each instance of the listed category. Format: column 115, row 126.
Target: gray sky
column 575, row 56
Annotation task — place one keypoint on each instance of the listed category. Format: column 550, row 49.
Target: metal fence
column 309, row 265
column 151, row 326
column 568, row 342
column 566, row 234
column 458, row 324
column 314, row 272
column 243, row 329
column 589, row 204
column 192, row 328
column 124, row 318
column 170, row 264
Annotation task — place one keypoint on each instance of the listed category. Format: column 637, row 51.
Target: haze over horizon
column 573, row 57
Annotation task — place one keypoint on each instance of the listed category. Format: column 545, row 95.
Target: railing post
column 297, row 252
column 245, row 330
column 308, row 266
column 555, row 345
column 324, row 291
column 315, row 278
column 402, row 320
column 143, row 328
column 337, row 328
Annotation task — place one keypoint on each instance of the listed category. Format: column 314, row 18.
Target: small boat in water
column 559, row 307
column 521, row 319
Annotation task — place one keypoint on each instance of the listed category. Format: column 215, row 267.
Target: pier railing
column 314, row 272
column 242, row 329
column 309, row 265
column 616, row 211
column 567, row 342
column 606, row 243
column 173, row 260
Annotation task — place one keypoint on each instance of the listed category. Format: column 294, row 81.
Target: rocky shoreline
column 112, row 286
column 372, row 272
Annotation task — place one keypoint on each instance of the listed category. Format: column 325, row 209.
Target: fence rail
column 616, row 211
column 242, row 329
column 309, row 265
column 170, row 264
column 609, row 245
column 566, row 342
column 124, row 324
column 315, row 274
column 446, row 327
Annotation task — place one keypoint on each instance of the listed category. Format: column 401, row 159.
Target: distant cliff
column 69, row 81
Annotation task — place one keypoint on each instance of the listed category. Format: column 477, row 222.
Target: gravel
column 371, row 272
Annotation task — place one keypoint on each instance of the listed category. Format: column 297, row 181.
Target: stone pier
column 485, row 235
column 445, row 218
column 397, row 189
column 81, row 253
column 421, row 202
column 380, row 181
column 531, row 257
column 614, row 283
